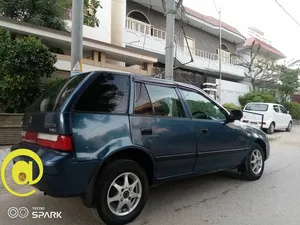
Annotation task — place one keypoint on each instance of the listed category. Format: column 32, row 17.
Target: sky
column 264, row 15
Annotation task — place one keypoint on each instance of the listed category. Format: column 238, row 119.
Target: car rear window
column 108, row 93
column 257, row 107
column 53, row 98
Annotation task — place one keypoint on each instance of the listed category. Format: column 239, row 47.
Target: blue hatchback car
column 109, row 136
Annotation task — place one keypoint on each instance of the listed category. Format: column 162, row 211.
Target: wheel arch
column 263, row 145
column 135, row 153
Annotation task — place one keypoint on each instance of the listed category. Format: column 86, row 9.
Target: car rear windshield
column 54, row 97
column 257, row 107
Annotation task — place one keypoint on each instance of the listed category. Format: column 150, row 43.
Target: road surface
column 218, row 199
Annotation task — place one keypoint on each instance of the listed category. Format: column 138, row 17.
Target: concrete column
column 102, row 59
column 149, row 69
column 95, row 57
column 118, row 22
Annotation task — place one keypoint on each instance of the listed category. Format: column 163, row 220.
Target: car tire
column 134, row 194
column 290, row 126
column 271, row 128
column 254, row 165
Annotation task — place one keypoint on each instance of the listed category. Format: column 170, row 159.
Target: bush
column 294, row 109
column 260, row 96
column 231, row 106
column 25, row 62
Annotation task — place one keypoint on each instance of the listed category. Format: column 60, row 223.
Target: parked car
column 109, row 136
column 268, row 116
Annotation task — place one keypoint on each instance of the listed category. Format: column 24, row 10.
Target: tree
column 24, row 63
column 289, row 82
column 90, row 19
column 44, row 13
column 260, row 70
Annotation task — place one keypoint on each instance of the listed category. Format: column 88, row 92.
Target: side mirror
column 287, row 112
column 236, row 115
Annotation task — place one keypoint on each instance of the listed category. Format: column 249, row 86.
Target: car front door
column 285, row 118
column 159, row 124
column 220, row 144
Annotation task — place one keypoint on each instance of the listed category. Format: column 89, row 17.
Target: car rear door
column 276, row 116
column 220, row 145
column 159, row 124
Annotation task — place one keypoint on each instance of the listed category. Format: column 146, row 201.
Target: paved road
column 219, row 199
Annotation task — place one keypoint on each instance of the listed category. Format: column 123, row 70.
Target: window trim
column 90, row 83
column 277, row 107
column 283, row 108
column 133, row 113
column 172, row 86
column 181, row 88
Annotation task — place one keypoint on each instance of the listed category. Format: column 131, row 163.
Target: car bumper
column 257, row 123
column 63, row 175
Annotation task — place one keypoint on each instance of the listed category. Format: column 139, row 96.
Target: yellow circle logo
column 22, row 171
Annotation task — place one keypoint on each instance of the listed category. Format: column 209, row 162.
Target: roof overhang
column 196, row 22
column 210, row 28
column 62, row 38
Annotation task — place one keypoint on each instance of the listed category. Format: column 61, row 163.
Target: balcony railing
column 149, row 30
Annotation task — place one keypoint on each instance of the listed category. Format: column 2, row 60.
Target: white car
column 267, row 116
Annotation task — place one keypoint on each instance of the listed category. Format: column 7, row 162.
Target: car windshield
column 257, row 107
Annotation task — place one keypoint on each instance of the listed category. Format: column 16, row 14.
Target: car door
column 220, row 145
column 159, row 124
column 285, row 118
column 276, row 116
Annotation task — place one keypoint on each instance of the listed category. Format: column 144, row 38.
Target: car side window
column 108, row 93
column 276, row 108
column 282, row 109
column 165, row 101
column 142, row 103
column 203, row 108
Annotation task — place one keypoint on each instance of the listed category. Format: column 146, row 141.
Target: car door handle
column 146, row 131
column 204, row 132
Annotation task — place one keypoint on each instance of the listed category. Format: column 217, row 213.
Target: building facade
column 132, row 37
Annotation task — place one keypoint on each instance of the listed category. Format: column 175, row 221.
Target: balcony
column 144, row 37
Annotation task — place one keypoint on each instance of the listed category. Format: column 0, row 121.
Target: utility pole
column 220, row 58
column 77, row 36
column 170, row 27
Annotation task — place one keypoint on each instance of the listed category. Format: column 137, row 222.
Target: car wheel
column 271, row 128
column 290, row 126
column 254, row 164
column 121, row 192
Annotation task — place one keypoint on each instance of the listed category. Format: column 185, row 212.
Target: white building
column 131, row 37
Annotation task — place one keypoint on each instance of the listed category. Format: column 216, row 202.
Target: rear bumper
column 63, row 175
column 257, row 123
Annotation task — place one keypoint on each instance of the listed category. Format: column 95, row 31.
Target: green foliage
column 231, row 106
column 24, row 62
column 294, row 109
column 44, row 13
column 260, row 96
column 93, row 5
column 289, row 82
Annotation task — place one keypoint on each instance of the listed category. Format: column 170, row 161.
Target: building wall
column 230, row 91
column 203, row 40
column 101, row 33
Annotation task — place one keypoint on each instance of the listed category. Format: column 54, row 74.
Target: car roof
column 143, row 78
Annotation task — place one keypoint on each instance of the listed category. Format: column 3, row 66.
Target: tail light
column 53, row 141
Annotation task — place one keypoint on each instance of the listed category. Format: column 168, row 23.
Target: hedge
column 231, row 106
column 294, row 109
